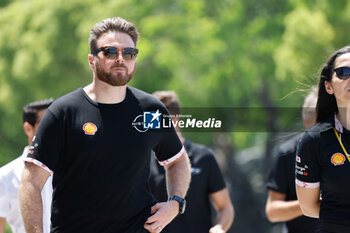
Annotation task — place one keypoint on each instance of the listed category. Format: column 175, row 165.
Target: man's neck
column 104, row 93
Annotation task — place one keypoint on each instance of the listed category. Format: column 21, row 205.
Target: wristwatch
column 181, row 201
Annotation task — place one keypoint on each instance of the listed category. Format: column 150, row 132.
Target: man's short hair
column 309, row 106
column 30, row 111
column 115, row 24
column 170, row 100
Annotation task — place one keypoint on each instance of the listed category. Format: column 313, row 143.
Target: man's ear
column 328, row 87
column 28, row 129
column 91, row 61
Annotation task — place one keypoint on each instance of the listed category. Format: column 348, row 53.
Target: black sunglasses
column 111, row 52
column 342, row 72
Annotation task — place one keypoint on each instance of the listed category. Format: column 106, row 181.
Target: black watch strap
column 181, row 201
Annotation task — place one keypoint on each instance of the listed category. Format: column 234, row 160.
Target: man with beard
column 98, row 159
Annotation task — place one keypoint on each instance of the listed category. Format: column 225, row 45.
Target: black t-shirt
column 100, row 161
column 206, row 179
column 321, row 161
column 282, row 180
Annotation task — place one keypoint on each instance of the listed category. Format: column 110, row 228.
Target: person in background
column 282, row 204
column 98, row 159
column 323, row 161
column 207, row 184
column 11, row 173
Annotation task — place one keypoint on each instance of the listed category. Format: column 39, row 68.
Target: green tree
column 212, row 53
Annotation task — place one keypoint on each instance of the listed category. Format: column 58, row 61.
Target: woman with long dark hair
column 323, row 162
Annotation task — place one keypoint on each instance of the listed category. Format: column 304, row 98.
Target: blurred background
column 214, row 54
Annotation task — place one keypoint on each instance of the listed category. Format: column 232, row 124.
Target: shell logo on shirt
column 89, row 128
column 338, row 159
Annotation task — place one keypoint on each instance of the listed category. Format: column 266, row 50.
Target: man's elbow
column 310, row 208
column 231, row 212
column 272, row 218
column 309, row 211
column 270, row 214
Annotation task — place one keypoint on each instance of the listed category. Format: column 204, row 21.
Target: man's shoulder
column 145, row 99
column 69, row 98
column 67, row 101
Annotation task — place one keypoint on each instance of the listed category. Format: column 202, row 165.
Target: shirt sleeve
column 307, row 169
column 4, row 202
column 46, row 145
column 277, row 179
column 169, row 146
column 216, row 180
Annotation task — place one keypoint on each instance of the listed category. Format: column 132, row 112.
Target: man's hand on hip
column 162, row 214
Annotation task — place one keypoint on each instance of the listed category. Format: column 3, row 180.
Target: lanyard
column 341, row 144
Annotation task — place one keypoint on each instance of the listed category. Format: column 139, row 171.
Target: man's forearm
column 178, row 177
column 225, row 217
column 31, row 207
column 282, row 211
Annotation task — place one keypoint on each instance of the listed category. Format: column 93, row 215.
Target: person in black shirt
column 207, row 184
column 98, row 156
column 282, row 204
column 323, row 162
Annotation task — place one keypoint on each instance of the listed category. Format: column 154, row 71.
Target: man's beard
column 118, row 79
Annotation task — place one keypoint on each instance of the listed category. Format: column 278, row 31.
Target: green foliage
column 222, row 54
column 307, row 35
column 7, row 229
column 219, row 53
column 231, row 53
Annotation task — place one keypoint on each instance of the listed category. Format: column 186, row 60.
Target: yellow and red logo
column 89, row 128
column 338, row 159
